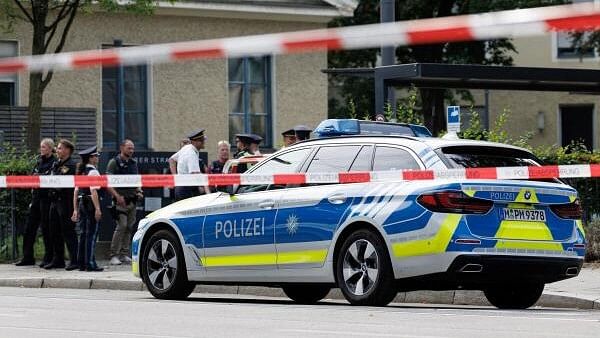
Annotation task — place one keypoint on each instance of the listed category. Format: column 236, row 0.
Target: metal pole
column 388, row 53
column 120, row 98
column 13, row 223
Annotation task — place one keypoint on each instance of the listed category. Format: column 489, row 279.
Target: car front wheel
column 364, row 271
column 163, row 267
column 514, row 296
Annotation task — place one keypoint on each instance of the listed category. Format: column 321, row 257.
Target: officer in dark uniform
column 242, row 142
column 302, row 132
column 254, row 144
column 289, row 137
column 62, row 229
column 87, row 211
column 39, row 209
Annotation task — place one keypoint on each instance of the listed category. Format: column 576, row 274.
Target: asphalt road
column 103, row 313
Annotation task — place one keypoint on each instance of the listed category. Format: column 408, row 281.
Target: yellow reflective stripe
column 469, row 192
column 234, row 260
column 572, row 198
column 289, row 257
column 135, row 268
column 525, row 235
column 521, row 196
column 432, row 245
column 299, row 257
column 580, row 227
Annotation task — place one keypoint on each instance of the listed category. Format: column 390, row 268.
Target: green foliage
column 13, row 162
column 406, row 111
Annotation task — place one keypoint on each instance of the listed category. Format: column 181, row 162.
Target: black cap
column 91, row 151
column 197, row 135
column 245, row 138
column 289, row 132
column 256, row 138
column 302, row 132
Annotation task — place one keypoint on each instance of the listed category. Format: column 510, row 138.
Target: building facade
column 164, row 102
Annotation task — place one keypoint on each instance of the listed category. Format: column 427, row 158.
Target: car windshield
column 478, row 156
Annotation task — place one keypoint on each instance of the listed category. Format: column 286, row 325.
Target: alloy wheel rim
column 162, row 264
column 361, row 267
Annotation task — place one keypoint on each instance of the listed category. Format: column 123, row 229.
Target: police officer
column 86, row 211
column 189, row 162
column 289, row 137
column 62, row 229
column 254, row 144
column 242, row 142
column 39, row 209
column 302, row 132
column 124, row 202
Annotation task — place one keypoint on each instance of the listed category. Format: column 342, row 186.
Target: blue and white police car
column 508, row 238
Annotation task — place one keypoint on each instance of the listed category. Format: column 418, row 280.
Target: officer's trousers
column 121, row 240
column 86, row 251
column 182, row 193
column 39, row 212
column 62, row 230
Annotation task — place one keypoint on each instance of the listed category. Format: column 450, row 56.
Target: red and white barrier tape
column 158, row 181
column 514, row 23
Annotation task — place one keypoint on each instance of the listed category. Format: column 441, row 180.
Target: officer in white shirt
column 188, row 162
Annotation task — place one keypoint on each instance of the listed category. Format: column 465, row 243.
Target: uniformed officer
column 39, row 209
column 86, row 211
column 189, row 162
column 302, row 132
column 289, row 137
column 124, row 202
column 255, row 141
column 62, row 229
column 242, row 142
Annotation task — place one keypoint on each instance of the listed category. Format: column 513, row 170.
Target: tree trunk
column 432, row 101
column 36, row 84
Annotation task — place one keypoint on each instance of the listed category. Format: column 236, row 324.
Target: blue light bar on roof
column 340, row 127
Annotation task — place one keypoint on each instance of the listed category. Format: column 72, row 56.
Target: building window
column 564, row 42
column 8, row 82
column 250, row 97
column 134, row 123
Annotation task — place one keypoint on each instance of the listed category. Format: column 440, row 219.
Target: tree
column 493, row 52
column 51, row 21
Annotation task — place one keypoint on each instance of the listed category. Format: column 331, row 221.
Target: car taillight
column 568, row 210
column 455, row 202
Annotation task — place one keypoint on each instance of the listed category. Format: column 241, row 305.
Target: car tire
column 363, row 270
column 163, row 267
column 517, row 296
column 306, row 294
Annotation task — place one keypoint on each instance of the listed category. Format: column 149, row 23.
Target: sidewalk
column 582, row 292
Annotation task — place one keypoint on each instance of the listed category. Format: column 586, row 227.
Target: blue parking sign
column 453, row 118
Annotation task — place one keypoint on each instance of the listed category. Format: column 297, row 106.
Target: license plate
column 528, row 215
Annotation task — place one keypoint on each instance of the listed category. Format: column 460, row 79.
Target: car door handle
column 266, row 205
column 337, row 199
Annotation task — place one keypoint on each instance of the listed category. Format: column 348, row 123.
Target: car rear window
column 477, row 156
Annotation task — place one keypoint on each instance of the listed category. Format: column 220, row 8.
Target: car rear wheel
column 514, row 296
column 163, row 267
column 306, row 294
column 364, row 271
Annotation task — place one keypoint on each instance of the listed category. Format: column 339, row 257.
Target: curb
column 458, row 297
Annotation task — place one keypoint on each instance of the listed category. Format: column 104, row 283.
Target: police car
column 371, row 240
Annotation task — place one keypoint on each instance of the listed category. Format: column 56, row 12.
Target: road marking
column 350, row 333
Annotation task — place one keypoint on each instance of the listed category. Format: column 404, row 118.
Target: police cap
column 289, row 132
column 256, row 139
column 302, row 132
column 91, row 151
column 197, row 135
column 244, row 138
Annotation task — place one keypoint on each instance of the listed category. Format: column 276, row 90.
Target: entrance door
column 577, row 125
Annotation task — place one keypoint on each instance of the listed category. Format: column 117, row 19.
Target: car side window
column 333, row 159
column 286, row 163
column 389, row 158
column 362, row 162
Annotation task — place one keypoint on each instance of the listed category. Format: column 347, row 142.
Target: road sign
column 453, row 119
